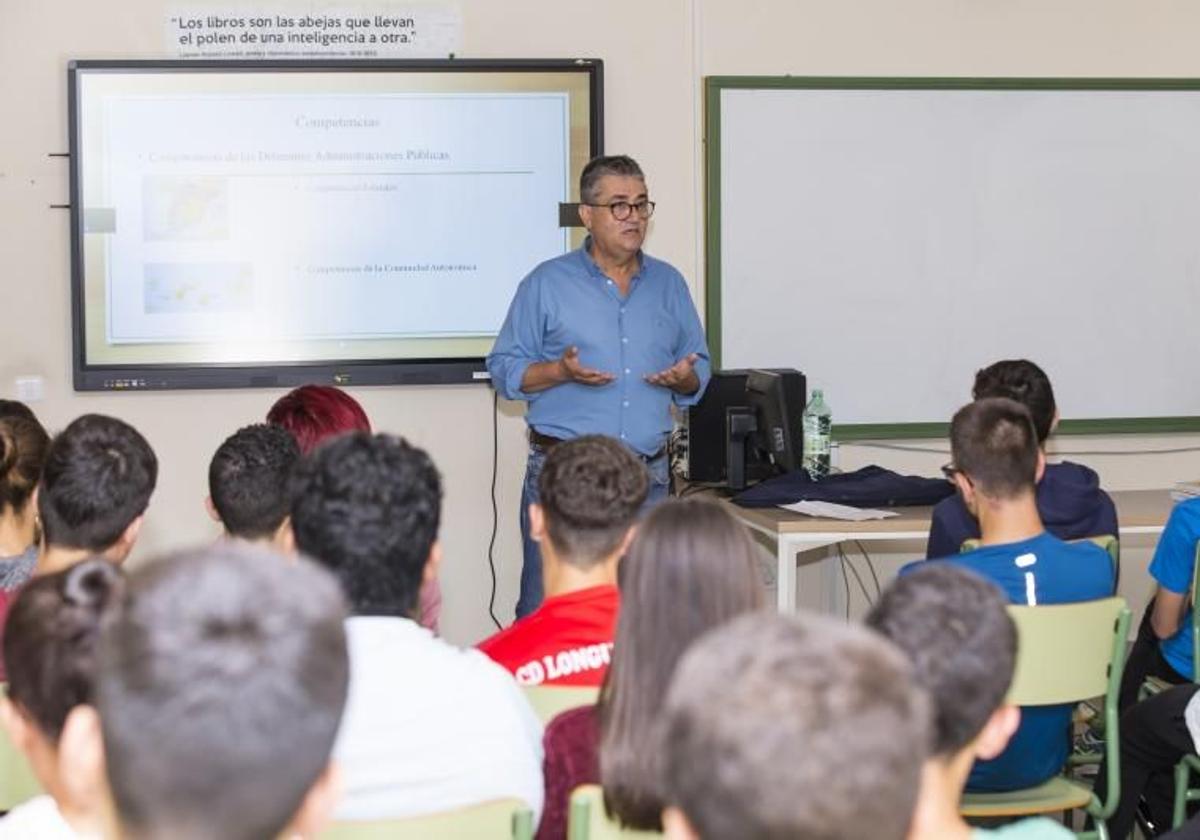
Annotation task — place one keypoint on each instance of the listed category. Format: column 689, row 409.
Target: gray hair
column 598, row 167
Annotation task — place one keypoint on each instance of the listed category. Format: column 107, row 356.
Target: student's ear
column 434, row 564
column 284, row 537
column 124, row 544
column 212, row 510
column 676, row 825
column 81, row 765
column 1041, row 465
column 32, row 505
column 15, row 724
column 965, row 489
column 994, row 737
column 1054, row 423
column 537, row 522
column 317, row 808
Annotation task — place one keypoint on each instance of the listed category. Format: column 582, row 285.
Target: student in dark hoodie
column 1069, row 499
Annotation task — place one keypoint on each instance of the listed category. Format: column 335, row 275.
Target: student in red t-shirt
column 591, row 488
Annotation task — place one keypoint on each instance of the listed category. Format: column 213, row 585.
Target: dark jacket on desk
column 867, row 487
column 1069, row 500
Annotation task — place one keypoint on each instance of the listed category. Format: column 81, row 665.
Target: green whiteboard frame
column 713, row 88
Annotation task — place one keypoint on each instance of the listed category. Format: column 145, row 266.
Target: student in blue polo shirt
column 1164, row 645
column 997, row 463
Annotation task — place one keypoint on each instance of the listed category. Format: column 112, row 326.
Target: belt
column 547, row 442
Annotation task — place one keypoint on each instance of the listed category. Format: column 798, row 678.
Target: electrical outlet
column 31, row 388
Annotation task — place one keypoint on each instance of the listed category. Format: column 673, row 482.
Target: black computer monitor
column 707, row 439
column 777, row 397
column 724, row 445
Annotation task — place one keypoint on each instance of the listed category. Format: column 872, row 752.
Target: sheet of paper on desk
column 829, row 510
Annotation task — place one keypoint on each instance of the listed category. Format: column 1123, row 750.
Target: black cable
column 495, row 507
column 846, row 583
column 861, row 586
column 871, row 567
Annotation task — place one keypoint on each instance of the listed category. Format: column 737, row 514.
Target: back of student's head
column 368, row 508
column 794, row 727
column 16, row 408
column 993, row 443
column 223, row 674
column 50, row 641
column 954, row 627
column 591, row 488
column 691, row 567
column 97, row 479
column 315, row 413
column 248, row 480
column 1025, row 382
column 23, row 447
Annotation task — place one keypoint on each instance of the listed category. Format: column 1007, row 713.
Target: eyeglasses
column 622, row 210
column 949, row 470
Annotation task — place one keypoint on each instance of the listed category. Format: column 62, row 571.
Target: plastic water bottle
column 818, row 423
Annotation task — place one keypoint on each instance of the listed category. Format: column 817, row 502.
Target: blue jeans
column 531, row 565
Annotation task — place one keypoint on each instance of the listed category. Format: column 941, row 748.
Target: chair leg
column 1179, row 811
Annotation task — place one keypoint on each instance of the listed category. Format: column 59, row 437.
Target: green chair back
column 588, row 821
column 17, row 782
column 1066, row 653
column 1063, row 657
column 507, row 818
column 550, row 700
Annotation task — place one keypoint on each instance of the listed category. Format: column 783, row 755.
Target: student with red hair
column 315, row 413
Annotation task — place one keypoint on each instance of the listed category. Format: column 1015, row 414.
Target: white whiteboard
column 891, row 242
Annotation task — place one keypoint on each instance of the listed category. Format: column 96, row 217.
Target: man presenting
column 601, row 340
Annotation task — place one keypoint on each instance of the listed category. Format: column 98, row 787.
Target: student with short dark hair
column 248, row 484
column 221, row 682
column 1069, row 499
column 590, row 491
column 428, row 727
column 95, row 488
column 691, row 567
column 954, row 627
column 792, row 726
column 317, row 413
column 50, row 648
column 23, row 446
column 996, row 464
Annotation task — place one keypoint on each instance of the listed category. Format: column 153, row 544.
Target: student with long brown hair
column 691, row 567
column 23, row 446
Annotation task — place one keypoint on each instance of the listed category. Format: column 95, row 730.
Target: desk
column 1138, row 512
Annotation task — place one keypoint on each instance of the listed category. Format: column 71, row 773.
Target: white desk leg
column 787, row 551
column 785, row 576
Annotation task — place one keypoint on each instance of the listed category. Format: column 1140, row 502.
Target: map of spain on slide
column 185, row 208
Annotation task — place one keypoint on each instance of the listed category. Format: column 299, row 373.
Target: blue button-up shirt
column 568, row 301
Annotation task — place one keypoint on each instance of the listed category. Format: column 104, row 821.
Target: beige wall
column 655, row 54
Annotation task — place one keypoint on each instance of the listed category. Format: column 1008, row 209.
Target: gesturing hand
column 680, row 377
column 574, row 371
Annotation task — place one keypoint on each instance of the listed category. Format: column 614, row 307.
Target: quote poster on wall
column 301, row 30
